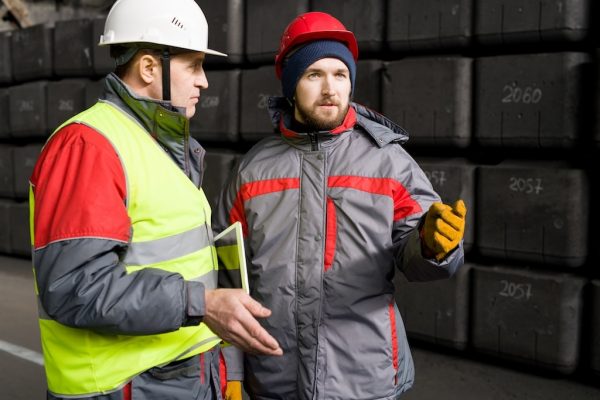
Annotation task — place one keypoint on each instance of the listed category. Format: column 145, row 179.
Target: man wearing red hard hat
column 330, row 206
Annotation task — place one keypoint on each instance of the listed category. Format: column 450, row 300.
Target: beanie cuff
column 298, row 61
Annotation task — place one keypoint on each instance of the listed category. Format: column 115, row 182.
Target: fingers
column 257, row 338
column 255, row 308
column 458, row 208
column 448, row 217
column 251, row 341
column 453, row 216
column 437, row 208
column 446, row 230
column 255, row 330
column 230, row 314
column 443, row 244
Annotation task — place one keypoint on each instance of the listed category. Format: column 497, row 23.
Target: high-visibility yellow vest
column 170, row 217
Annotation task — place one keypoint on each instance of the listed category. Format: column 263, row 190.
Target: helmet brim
column 214, row 53
column 150, row 45
column 343, row 36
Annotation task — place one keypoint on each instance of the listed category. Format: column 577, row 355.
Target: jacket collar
column 380, row 128
column 163, row 121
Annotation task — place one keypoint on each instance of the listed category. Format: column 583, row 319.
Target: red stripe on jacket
column 394, row 341
column 258, row 188
column 79, row 189
column 330, row 234
column 404, row 204
column 127, row 391
column 223, row 374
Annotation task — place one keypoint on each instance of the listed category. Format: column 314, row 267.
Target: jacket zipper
column 186, row 157
column 314, row 141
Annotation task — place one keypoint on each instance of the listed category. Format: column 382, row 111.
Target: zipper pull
column 314, row 142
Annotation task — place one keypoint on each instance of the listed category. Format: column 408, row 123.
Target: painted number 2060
column 526, row 95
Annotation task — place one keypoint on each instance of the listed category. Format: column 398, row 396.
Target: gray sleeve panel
column 421, row 191
column 234, row 360
column 82, row 284
column 417, row 268
column 220, row 215
column 407, row 242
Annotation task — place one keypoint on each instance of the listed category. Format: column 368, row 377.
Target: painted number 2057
column 517, row 291
column 525, row 185
column 436, row 177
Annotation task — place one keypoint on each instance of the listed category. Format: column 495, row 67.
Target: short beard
column 315, row 123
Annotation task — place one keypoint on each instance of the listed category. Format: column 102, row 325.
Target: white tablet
column 232, row 257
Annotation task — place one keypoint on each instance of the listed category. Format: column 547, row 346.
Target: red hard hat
column 313, row 26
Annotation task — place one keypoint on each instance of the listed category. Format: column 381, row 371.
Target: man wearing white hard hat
column 123, row 254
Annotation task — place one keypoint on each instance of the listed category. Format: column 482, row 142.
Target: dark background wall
column 500, row 98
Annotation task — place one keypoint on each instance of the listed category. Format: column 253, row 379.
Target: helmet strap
column 166, row 74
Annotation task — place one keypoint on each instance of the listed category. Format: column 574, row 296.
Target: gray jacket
column 328, row 217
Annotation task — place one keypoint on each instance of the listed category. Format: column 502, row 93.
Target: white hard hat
column 173, row 23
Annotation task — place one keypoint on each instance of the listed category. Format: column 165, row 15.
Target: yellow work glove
column 234, row 390
column 443, row 229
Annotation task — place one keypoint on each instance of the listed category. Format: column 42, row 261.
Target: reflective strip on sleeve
column 169, row 248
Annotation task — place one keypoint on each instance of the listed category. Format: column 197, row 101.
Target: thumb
column 459, row 208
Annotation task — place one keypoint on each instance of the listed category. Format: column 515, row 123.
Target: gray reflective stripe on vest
column 169, row 248
column 209, row 279
column 116, row 391
column 182, row 355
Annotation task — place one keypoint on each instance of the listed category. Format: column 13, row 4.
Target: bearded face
column 323, row 94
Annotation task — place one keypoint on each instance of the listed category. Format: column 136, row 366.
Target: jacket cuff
column 234, row 360
column 418, row 268
column 195, row 303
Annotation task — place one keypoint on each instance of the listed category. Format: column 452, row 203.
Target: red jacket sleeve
column 81, row 230
column 79, row 189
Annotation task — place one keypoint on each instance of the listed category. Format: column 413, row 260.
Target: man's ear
column 148, row 68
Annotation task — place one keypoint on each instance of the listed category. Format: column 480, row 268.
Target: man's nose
column 202, row 80
column 327, row 88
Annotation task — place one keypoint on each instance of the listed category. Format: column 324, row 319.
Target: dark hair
column 118, row 51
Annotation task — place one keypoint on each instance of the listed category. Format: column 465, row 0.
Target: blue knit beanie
column 295, row 65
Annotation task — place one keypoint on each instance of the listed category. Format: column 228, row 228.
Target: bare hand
column 231, row 313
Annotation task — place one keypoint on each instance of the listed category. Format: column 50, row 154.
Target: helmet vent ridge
column 177, row 23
